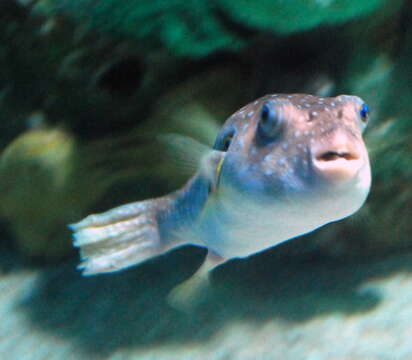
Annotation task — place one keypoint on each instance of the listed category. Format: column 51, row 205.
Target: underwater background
column 85, row 87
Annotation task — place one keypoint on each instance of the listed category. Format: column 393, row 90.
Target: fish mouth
column 337, row 164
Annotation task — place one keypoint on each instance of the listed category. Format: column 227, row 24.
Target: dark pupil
column 364, row 111
column 223, row 141
column 226, row 143
column 265, row 113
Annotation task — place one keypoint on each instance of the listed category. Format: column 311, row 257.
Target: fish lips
column 339, row 165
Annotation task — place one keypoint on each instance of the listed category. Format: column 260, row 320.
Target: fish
column 281, row 166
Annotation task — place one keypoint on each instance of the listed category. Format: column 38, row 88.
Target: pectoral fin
column 188, row 294
column 191, row 156
column 185, row 153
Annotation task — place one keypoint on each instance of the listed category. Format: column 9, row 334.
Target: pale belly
column 247, row 232
column 234, row 226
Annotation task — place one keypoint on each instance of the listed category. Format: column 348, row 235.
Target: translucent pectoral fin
column 118, row 238
column 184, row 152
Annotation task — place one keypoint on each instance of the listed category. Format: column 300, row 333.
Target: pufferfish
column 280, row 167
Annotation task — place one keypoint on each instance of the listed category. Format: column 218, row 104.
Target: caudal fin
column 118, row 238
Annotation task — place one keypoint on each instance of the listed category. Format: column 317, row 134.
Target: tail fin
column 118, row 238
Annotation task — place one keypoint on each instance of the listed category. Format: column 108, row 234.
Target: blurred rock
column 92, row 84
column 48, row 180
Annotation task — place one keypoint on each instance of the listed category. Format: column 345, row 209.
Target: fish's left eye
column 364, row 113
column 224, row 139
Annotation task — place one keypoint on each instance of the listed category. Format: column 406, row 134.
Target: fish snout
column 339, row 158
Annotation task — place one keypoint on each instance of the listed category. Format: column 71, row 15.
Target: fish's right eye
column 270, row 122
column 224, row 140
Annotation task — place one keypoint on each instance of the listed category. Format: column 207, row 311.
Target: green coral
column 200, row 27
column 185, row 27
column 297, row 15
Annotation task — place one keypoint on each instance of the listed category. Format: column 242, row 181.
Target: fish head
column 298, row 148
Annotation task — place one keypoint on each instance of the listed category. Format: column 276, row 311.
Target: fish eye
column 224, row 140
column 364, row 113
column 269, row 123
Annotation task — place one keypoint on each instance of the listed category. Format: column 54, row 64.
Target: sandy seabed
column 255, row 310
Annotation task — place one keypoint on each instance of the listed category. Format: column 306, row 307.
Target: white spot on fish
column 269, row 171
column 297, row 133
column 314, row 114
column 332, row 104
column 285, row 146
column 250, row 114
column 269, row 157
column 306, row 105
column 281, row 161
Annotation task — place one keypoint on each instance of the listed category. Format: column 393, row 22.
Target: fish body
column 281, row 166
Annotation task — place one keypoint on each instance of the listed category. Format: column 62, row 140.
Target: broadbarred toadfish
column 281, row 166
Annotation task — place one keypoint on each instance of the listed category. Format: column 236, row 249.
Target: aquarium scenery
column 209, row 180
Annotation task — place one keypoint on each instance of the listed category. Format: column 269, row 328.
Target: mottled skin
column 281, row 166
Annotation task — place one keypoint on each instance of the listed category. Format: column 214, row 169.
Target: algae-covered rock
column 41, row 190
column 94, row 85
